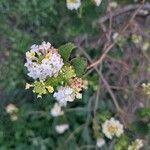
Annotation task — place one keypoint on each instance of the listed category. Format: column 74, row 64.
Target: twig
column 101, row 58
column 123, row 10
column 104, row 81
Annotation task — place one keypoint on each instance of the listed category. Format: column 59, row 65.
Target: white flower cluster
column 136, row 145
column 12, row 110
column 73, row 4
column 65, row 94
column 112, row 128
column 56, row 110
column 97, row 2
column 60, row 129
column 100, row 142
column 42, row 61
column 113, row 4
column 69, row 92
column 146, row 88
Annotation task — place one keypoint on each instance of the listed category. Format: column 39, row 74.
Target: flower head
column 113, row 4
column 28, row 86
column 97, row 2
column 146, row 88
column 136, row 145
column 77, row 84
column 43, row 61
column 73, row 4
column 100, row 142
column 64, row 95
column 112, row 128
column 137, row 39
column 56, row 110
column 11, row 109
column 145, row 46
column 61, row 128
column 14, row 117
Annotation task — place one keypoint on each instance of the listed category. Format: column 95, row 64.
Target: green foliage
column 140, row 127
column 143, row 112
column 24, row 23
column 65, row 50
column 121, row 143
column 66, row 73
column 80, row 65
column 104, row 115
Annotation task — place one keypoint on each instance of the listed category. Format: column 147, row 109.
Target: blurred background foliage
column 22, row 23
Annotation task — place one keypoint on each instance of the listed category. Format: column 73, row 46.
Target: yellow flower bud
column 28, row 86
column 50, row 89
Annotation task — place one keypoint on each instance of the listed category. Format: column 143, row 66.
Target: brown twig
column 107, row 49
column 104, row 81
column 123, row 10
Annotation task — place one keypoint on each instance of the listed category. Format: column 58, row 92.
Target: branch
column 123, row 10
column 108, row 48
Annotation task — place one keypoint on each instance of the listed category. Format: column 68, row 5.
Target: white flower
column 139, row 143
column 146, row 88
column 28, row 86
column 73, row 4
column 112, row 128
column 64, row 95
column 137, row 39
column 115, row 35
column 97, row 2
column 100, row 142
column 43, row 61
column 56, row 110
column 61, row 128
column 145, row 46
column 45, row 46
column 136, row 145
column 113, row 4
column 14, row 117
column 143, row 12
column 11, row 109
column 35, row 48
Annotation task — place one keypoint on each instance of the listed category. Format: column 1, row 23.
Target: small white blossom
column 115, row 35
column 28, row 86
column 56, row 110
column 45, row 46
column 143, row 12
column 11, row 109
column 113, row 4
column 146, row 88
column 14, row 117
column 100, row 142
column 73, row 4
column 145, row 46
column 137, row 39
column 64, row 95
column 61, row 128
column 43, row 61
column 136, row 145
column 97, row 2
column 35, row 48
column 112, row 128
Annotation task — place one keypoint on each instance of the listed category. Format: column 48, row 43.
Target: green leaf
column 65, row 50
column 140, row 127
column 66, row 73
column 121, row 143
column 80, row 65
column 143, row 112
